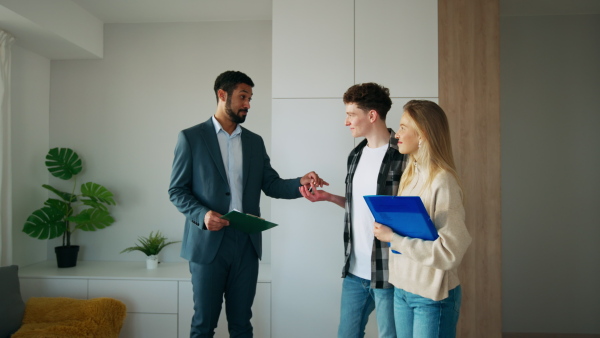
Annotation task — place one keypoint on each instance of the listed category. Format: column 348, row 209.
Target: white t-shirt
column 364, row 183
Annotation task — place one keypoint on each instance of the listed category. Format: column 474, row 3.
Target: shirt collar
column 218, row 127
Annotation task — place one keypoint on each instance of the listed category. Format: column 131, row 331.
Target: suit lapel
column 212, row 144
column 246, row 155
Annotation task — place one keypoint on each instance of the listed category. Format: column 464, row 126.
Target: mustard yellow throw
column 49, row 317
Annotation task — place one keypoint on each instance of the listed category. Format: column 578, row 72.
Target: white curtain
column 5, row 154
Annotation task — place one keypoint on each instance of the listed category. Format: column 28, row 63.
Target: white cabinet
column 318, row 53
column 320, row 48
column 150, row 325
column 151, row 305
column 138, row 295
column 55, row 287
column 307, row 246
column 186, row 308
column 313, row 48
column 397, row 46
column 159, row 302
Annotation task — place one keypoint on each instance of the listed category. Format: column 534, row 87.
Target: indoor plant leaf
column 162, row 245
column 92, row 219
column 97, row 191
column 150, row 245
column 45, row 223
column 63, row 163
column 64, row 195
column 62, row 206
column 55, row 218
column 92, row 202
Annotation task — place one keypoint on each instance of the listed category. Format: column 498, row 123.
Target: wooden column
column 469, row 79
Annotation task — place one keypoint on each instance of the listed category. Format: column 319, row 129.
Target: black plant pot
column 66, row 256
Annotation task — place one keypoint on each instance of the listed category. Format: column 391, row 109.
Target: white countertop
column 121, row 270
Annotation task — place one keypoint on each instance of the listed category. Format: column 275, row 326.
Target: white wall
column 122, row 115
column 30, row 96
column 550, row 80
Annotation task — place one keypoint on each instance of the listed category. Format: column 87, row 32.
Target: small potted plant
column 87, row 211
column 151, row 246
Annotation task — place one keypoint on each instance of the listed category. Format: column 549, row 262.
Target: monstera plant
column 70, row 211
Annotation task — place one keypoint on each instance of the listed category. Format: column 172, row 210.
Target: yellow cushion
column 50, row 317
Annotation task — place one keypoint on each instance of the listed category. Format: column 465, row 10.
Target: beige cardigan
column 429, row 268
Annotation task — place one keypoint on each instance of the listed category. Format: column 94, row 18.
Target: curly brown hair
column 369, row 96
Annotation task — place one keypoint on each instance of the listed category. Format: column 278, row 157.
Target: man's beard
column 235, row 118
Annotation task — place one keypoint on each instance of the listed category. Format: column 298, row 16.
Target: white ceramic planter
column 152, row 262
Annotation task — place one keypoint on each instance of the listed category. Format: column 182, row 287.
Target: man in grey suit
column 218, row 167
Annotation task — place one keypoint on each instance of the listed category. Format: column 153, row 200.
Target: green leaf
column 63, row 163
column 92, row 202
column 138, row 248
column 62, row 206
column 92, row 219
column 45, row 223
column 96, row 191
column 67, row 197
column 150, row 245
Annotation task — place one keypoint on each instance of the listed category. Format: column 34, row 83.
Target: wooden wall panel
column 469, row 79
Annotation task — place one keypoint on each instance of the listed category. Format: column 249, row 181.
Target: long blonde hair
column 435, row 152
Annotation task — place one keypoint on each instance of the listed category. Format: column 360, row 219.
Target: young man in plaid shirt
column 374, row 168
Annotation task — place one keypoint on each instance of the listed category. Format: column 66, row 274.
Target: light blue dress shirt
column 231, row 152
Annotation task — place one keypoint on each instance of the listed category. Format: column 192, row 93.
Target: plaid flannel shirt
column 388, row 180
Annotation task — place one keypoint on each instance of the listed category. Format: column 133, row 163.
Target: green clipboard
column 247, row 223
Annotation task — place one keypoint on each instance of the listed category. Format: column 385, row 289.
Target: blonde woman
column 427, row 292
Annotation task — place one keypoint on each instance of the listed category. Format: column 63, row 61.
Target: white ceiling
column 72, row 29
column 137, row 11
column 57, row 29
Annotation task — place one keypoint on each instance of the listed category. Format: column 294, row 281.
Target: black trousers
column 232, row 275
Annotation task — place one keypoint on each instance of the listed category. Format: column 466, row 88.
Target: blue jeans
column 422, row 317
column 358, row 301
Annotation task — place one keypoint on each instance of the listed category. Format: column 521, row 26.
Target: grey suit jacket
column 199, row 184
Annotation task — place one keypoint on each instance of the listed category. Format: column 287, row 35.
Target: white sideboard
column 159, row 302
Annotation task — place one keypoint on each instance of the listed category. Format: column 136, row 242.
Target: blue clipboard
column 406, row 215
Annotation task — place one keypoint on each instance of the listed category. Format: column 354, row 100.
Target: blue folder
column 406, row 215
